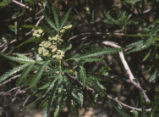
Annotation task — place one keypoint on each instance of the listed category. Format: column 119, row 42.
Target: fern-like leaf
column 21, row 59
column 12, row 72
column 36, row 79
column 32, row 40
column 55, row 17
column 97, row 53
column 24, row 75
column 65, row 18
column 51, row 23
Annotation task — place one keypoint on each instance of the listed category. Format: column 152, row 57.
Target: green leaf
column 133, row 2
column 154, row 76
column 20, row 59
column 147, row 56
column 83, row 75
column 141, row 45
column 122, row 112
column 35, row 80
column 51, row 23
column 55, row 17
column 24, row 75
column 54, row 94
column 90, row 60
column 4, row 3
column 97, row 53
column 32, row 40
column 30, row 26
column 136, row 114
column 65, row 18
column 68, row 48
column 12, row 72
column 45, row 86
column 78, row 97
column 52, row 84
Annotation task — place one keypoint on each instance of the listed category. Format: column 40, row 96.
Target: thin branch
column 10, row 79
column 127, row 69
column 5, row 45
column 21, row 5
column 127, row 106
column 28, row 97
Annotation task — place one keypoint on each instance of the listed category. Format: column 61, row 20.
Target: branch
column 127, row 106
column 4, row 46
column 127, row 69
column 10, row 79
column 21, row 5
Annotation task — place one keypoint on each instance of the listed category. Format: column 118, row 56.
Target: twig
column 21, row 5
column 127, row 69
column 26, row 100
column 5, row 45
column 10, row 79
column 127, row 106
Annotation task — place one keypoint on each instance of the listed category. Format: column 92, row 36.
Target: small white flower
column 59, row 55
column 38, row 33
column 45, row 44
column 65, row 28
column 43, row 51
column 53, row 48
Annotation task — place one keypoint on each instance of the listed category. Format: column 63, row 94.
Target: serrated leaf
column 52, row 84
column 24, row 75
column 19, row 59
column 50, row 22
column 55, row 17
column 143, row 45
column 54, row 94
column 98, row 53
column 65, row 18
column 12, row 72
column 83, row 75
column 29, row 41
column 36, row 79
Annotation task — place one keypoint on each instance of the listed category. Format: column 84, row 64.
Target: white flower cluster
column 50, row 48
column 65, row 28
column 38, row 33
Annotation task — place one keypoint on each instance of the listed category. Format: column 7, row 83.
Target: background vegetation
column 63, row 55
